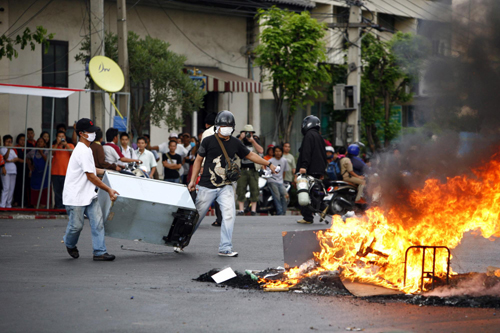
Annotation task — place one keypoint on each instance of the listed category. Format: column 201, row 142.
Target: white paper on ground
column 224, row 275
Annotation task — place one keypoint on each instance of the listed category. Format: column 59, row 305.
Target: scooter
column 265, row 202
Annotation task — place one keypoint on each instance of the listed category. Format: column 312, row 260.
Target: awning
column 222, row 81
column 37, row 91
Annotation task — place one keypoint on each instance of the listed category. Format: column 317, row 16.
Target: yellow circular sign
column 106, row 74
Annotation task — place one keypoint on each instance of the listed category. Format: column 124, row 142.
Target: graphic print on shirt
column 219, row 171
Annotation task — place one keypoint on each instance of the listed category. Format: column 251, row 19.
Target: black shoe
column 253, row 213
column 104, row 257
column 73, row 252
column 216, row 224
column 240, row 213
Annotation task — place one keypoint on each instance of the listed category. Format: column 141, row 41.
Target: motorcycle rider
column 312, row 157
column 352, row 169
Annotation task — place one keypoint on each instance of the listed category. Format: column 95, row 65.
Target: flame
column 372, row 248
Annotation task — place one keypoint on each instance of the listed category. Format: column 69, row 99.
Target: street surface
column 42, row 289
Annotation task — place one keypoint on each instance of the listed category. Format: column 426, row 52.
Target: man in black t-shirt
column 213, row 184
column 172, row 163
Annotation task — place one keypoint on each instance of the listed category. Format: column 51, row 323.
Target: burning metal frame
column 432, row 274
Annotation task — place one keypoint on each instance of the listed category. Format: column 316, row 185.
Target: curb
column 33, row 217
column 64, row 217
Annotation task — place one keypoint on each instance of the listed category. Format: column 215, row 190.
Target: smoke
column 460, row 116
column 476, row 285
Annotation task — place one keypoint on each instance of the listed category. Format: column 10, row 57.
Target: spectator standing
column 9, row 176
column 60, row 160
column 213, row 184
column 172, row 163
column 147, row 157
column 37, row 160
column 278, row 191
column 46, row 137
column 63, row 128
column 249, row 171
column 288, row 177
column 155, row 153
column 80, row 197
column 31, row 137
column 312, row 157
column 18, row 191
column 98, row 154
column 186, row 143
column 269, row 152
column 126, row 150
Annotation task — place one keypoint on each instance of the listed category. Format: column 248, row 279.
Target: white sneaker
column 178, row 249
column 228, row 254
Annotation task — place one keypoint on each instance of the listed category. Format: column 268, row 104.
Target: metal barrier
column 48, row 166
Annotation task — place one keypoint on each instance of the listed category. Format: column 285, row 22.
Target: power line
column 194, row 44
column 20, row 16
column 140, row 19
column 30, row 19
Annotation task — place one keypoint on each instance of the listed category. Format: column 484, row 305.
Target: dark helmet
column 225, row 118
column 353, row 150
column 310, row 122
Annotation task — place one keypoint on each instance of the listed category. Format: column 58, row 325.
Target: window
column 386, row 21
column 55, row 74
column 342, row 14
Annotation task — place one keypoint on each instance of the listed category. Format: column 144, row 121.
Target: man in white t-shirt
column 126, row 150
column 147, row 157
column 79, row 194
column 112, row 152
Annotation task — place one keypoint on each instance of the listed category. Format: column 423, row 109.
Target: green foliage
column 389, row 68
column 158, row 71
column 8, row 44
column 290, row 50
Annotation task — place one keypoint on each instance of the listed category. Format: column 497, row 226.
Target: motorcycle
column 326, row 197
column 265, row 202
column 133, row 170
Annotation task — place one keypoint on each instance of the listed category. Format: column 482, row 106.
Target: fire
column 372, row 248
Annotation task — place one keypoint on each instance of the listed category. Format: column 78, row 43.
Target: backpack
column 333, row 170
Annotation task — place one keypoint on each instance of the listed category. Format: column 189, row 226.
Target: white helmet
column 330, row 148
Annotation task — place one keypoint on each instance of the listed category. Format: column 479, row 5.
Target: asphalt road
column 42, row 289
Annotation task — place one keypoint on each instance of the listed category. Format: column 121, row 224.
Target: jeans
column 225, row 197
column 75, row 226
column 278, row 192
column 172, row 180
column 58, row 185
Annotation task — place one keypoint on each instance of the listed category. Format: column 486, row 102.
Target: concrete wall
column 218, row 35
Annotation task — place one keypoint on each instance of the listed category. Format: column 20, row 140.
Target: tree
column 290, row 51
column 388, row 70
column 8, row 44
column 158, row 75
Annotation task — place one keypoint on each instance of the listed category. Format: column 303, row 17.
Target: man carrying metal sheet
column 219, row 171
column 79, row 194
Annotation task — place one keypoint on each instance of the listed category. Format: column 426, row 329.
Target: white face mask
column 91, row 137
column 225, row 131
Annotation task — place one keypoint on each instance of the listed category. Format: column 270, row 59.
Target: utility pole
column 96, row 16
column 123, row 54
column 354, row 65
